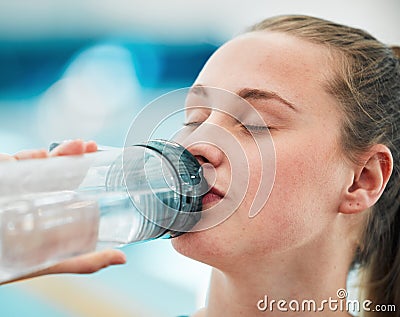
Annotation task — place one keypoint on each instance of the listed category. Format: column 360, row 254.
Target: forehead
column 297, row 69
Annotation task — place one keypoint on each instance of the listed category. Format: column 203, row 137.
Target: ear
column 369, row 180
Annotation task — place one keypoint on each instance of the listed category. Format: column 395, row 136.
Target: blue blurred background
column 84, row 69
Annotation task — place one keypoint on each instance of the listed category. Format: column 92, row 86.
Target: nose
column 210, row 158
column 206, row 153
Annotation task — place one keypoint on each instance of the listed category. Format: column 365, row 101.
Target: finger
column 6, row 157
column 88, row 263
column 83, row 264
column 31, row 154
column 74, row 147
column 90, row 147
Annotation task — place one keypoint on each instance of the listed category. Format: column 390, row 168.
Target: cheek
column 300, row 208
column 304, row 199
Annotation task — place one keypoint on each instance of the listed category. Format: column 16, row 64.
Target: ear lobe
column 369, row 181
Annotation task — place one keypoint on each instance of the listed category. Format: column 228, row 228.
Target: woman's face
column 310, row 171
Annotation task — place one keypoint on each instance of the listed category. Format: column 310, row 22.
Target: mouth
column 212, row 197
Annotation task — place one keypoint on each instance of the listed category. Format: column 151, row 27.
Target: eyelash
column 255, row 128
column 192, row 124
column 249, row 128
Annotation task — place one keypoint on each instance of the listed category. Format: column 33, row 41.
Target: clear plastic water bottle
column 56, row 208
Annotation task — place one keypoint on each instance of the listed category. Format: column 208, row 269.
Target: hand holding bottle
column 84, row 264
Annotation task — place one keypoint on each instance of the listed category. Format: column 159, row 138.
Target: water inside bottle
column 38, row 230
column 130, row 217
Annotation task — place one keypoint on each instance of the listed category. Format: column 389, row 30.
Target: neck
column 256, row 288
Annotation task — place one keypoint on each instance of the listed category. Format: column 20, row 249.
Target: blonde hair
column 367, row 86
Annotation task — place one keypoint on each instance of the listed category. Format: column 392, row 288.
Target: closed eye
column 249, row 128
column 192, row 124
column 255, row 128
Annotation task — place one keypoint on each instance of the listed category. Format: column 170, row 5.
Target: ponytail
column 396, row 51
column 380, row 261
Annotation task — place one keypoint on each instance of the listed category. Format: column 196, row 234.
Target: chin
column 190, row 244
column 204, row 246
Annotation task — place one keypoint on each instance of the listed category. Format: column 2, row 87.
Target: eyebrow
column 249, row 94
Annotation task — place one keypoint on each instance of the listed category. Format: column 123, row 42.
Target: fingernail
column 120, row 260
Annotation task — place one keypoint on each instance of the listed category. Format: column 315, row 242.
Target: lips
column 212, row 197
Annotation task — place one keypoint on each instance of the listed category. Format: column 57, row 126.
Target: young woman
column 330, row 95
column 333, row 206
